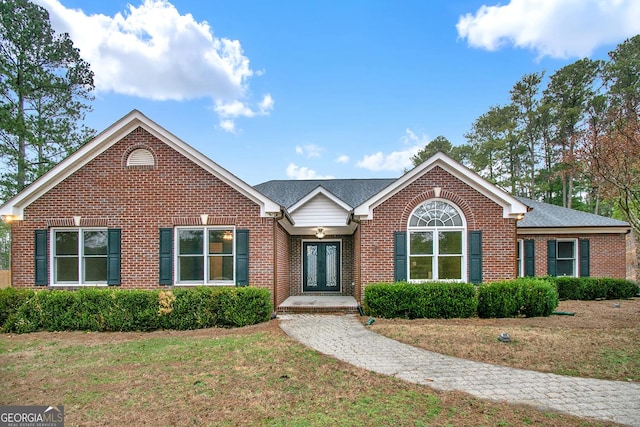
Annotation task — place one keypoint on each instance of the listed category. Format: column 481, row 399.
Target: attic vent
column 141, row 157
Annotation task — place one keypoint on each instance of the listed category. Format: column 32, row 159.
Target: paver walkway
column 345, row 338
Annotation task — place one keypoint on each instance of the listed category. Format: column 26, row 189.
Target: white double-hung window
column 567, row 258
column 79, row 256
column 205, row 255
column 437, row 242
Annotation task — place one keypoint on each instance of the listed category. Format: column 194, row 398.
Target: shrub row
column 424, row 300
column 521, row 297
column 591, row 288
column 95, row 309
column 528, row 297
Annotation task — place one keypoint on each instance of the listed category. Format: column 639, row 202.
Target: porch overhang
column 329, row 229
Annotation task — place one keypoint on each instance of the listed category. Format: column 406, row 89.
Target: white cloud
column 396, row 160
column 266, row 104
column 555, row 28
column 234, row 109
column 153, row 52
column 228, row 126
column 310, row 150
column 230, row 111
column 302, row 172
column 342, row 159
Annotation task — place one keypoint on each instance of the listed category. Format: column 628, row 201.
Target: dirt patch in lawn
column 600, row 339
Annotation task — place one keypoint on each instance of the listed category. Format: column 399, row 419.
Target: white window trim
column 52, row 257
column 205, row 282
column 436, row 254
column 576, row 273
column 520, row 243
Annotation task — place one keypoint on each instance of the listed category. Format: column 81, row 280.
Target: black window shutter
column 475, row 257
column 529, row 258
column 113, row 257
column 166, row 256
column 584, row 258
column 242, row 257
column 40, row 246
column 551, row 257
column 399, row 256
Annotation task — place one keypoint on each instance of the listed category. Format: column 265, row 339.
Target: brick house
column 136, row 207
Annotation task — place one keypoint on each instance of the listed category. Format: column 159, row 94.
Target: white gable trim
column 15, row 206
column 511, row 207
column 320, row 190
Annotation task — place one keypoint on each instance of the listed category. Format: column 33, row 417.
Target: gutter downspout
column 358, row 287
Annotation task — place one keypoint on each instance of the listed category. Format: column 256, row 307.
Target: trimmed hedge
column 95, row 309
column 424, row 300
column 528, row 297
column 592, row 288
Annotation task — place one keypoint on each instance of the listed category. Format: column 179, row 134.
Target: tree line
column 571, row 138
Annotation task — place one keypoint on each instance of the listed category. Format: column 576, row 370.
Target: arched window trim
column 435, row 229
column 140, row 157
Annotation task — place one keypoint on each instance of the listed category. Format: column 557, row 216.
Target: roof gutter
column 575, row 230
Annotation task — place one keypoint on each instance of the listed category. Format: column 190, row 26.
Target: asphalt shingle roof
column 351, row 191
column 355, row 191
column 547, row 215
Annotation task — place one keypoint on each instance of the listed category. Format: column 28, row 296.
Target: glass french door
column 321, row 266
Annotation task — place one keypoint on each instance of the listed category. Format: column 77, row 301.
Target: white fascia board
column 511, row 207
column 104, row 140
column 573, row 230
column 320, row 190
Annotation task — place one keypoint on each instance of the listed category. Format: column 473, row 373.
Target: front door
column 321, row 266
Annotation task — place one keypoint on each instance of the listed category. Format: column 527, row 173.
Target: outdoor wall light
column 8, row 218
column 320, row 233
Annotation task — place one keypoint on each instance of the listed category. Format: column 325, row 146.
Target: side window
column 205, row 255
column 81, row 256
column 566, row 261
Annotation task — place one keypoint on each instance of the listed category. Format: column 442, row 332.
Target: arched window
column 437, row 242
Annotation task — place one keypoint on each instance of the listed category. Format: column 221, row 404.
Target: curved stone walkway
column 345, row 338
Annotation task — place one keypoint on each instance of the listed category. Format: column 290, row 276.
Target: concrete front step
column 319, row 304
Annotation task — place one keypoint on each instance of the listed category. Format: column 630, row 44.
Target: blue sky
column 325, row 89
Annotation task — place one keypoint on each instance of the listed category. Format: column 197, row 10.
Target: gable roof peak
column 511, row 207
column 110, row 136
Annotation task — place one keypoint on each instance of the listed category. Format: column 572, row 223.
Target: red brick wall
column 607, row 253
column 498, row 234
column 140, row 201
